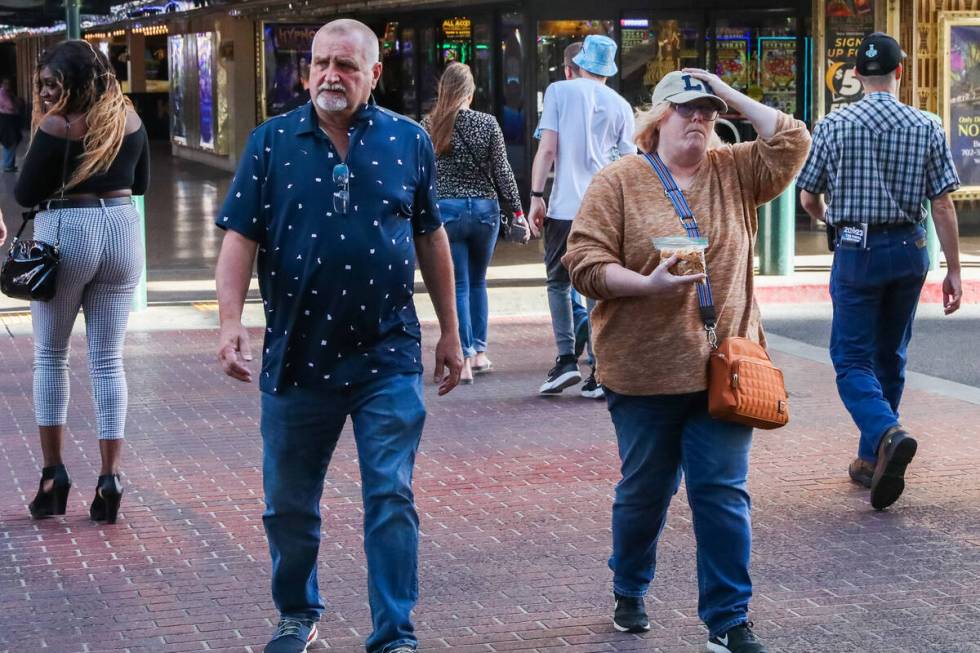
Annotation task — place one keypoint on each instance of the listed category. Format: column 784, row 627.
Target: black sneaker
column 591, row 389
column 292, row 636
column 630, row 615
column 739, row 639
column 564, row 374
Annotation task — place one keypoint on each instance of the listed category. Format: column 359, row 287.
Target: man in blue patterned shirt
column 877, row 161
column 337, row 197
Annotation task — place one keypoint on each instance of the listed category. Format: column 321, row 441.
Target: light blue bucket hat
column 598, row 56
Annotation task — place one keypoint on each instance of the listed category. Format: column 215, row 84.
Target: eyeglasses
column 341, row 198
column 687, row 111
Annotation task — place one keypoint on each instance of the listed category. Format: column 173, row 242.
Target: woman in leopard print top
column 469, row 148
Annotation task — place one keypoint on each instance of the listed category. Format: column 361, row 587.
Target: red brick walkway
column 514, row 493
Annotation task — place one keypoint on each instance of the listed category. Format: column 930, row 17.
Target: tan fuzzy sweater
column 655, row 345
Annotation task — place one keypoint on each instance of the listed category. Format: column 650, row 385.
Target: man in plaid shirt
column 876, row 161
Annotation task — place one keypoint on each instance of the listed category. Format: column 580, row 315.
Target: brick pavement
column 514, row 493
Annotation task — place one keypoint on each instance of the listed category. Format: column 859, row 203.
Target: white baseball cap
column 680, row 88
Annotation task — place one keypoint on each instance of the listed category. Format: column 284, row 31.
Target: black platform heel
column 55, row 500
column 108, row 495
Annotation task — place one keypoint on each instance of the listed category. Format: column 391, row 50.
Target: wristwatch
column 537, row 193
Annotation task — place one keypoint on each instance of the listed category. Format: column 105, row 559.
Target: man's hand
column 952, row 292
column 536, row 215
column 662, row 282
column 449, row 354
column 233, row 349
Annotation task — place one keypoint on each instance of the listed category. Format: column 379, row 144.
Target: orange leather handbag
column 743, row 385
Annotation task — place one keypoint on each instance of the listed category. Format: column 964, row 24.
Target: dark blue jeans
column 660, row 437
column 472, row 224
column 875, row 293
column 300, row 428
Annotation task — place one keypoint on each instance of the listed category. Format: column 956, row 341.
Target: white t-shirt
column 595, row 127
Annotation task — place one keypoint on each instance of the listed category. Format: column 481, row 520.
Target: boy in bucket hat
column 584, row 126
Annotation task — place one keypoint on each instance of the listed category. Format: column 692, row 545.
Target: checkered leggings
column 101, row 263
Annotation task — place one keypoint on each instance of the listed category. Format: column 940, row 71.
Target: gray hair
column 350, row 26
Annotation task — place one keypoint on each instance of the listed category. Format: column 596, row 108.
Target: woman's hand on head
column 661, row 282
column 718, row 86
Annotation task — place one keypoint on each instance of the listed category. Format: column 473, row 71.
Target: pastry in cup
column 690, row 260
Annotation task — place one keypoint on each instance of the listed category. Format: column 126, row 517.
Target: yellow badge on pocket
column 920, row 243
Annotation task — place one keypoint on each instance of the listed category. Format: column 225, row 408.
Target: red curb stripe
column 932, row 293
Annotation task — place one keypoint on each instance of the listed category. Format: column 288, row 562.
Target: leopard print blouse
column 458, row 175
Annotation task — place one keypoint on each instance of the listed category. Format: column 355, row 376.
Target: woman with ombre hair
column 88, row 156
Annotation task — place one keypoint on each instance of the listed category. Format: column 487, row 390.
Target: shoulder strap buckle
column 711, row 335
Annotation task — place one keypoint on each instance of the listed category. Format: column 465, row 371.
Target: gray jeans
column 560, row 287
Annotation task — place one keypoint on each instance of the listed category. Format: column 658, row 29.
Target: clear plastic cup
column 689, row 251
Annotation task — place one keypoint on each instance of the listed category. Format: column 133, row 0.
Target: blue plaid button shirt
column 877, row 160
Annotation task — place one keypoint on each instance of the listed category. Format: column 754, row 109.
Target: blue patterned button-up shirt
column 336, row 288
column 877, row 160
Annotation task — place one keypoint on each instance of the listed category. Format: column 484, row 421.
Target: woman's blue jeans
column 472, row 224
column 9, row 157
column 300, row 428
column 660, row 437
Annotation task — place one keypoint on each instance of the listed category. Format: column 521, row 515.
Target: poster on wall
column 847, row 22
column 286, row 70
column 178, row 127
column 777, row 72
column 205, row 72
column 733, row 62
column 960, row 71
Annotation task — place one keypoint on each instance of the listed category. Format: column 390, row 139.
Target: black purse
column 511, row 230
column 30, row 270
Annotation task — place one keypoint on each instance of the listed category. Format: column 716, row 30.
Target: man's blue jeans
column 300, row 428
column 9, row 157
column 875, row 293
column 660, row 437
column 472, row 224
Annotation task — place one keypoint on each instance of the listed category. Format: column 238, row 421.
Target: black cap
column 879, row 54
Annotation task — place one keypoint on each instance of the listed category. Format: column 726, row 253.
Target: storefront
column 139, row 59
column 515, row 51
column 198, row 92
column 415, row 49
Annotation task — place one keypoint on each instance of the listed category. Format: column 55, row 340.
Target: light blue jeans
column 472, row 224
column 300, row 428
column 661, row 436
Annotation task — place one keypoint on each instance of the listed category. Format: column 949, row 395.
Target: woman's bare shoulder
column 55, row 125
column 133, row 122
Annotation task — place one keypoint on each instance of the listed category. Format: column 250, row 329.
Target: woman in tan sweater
column 650, row 341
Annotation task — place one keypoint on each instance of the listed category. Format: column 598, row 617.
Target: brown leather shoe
column 895, row 453
column 861, row 471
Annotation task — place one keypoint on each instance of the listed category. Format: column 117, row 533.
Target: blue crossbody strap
column 706, row 302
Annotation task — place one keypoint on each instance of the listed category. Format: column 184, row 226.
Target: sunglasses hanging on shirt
column 341, row 197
